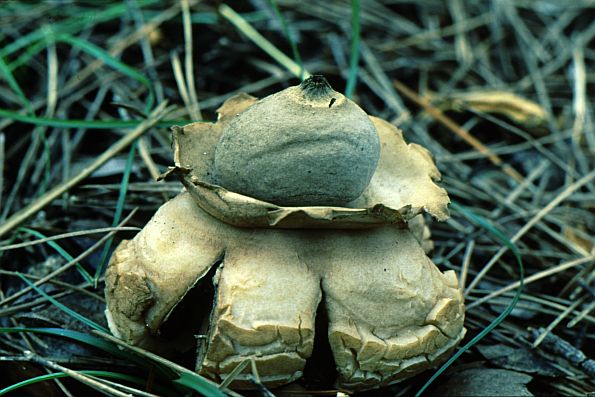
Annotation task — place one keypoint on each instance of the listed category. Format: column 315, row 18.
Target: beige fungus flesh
column 269, row 286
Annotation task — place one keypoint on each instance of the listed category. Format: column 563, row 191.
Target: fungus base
column 391, row 312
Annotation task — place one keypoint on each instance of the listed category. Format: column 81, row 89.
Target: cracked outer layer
column 392, row 313
column 265, row 306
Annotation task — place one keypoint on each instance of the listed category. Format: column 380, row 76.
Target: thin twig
column 532, row 278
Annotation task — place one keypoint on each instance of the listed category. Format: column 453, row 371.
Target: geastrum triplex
column 294, row 201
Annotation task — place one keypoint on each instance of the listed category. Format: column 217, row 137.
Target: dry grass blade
column 2, row 161
column 194, row 109
column 144, row 151
column 458, row 130
column 557, row 321
column 89, row 381
column 181, row 82
column 68, row 235
column 534, row 277
column 126, row 389
column 68, row 265
column 582, row 315
column 532, row 222
column 466, row 261
column 52, row 89
column 233, row 374
column 580, row 92
column 262, row 42
column 16, row 219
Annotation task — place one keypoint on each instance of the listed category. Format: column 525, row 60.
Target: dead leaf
column 573, row 235
column 518, row 359
column 518, row 109
column 478, row 382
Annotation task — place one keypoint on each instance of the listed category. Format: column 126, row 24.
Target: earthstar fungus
column 359, row 253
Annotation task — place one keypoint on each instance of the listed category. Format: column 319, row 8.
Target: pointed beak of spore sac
column 315, row 87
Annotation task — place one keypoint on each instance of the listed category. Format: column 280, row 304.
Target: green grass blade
column 184, row 376
column 64, row 308
column 72, row 25
column 119, row 210
column 94, row 124
column 243, row 26
column 30, row 52
column 197, row 383
column 100, row 344
column 73, row 335
column 168, row 370
column 109, row 60
column 211, row 18
column 355, row 43
column 32, row 381
column 47, row 163
column 124, row 184
column 88, row 278
column 91, row 49
column 513, row 248
column 294, row 48
column 99, row 374
column 12, row 82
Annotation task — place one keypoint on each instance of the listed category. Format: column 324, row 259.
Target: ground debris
column 485, row 382
column 555, row 345
column 518, row 359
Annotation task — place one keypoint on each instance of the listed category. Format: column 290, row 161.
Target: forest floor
column 500, row 92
